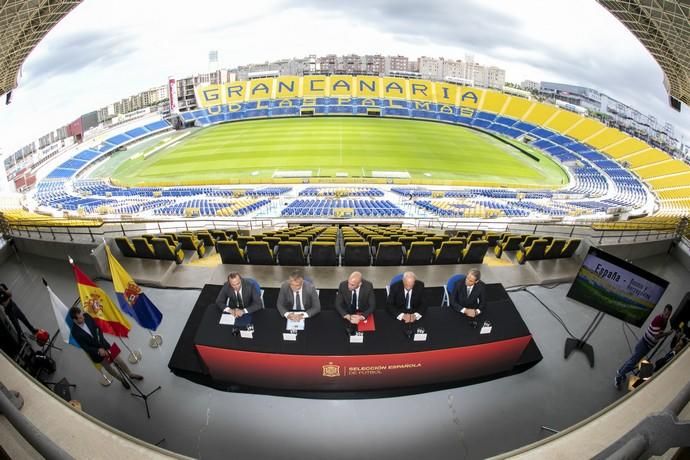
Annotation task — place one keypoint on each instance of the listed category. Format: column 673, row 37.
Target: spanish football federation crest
column 132, row 292
column 331, row 370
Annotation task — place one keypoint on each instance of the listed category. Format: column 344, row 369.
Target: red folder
column 114, row 351
column 367, row 325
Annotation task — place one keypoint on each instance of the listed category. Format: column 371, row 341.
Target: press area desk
column 322, row 359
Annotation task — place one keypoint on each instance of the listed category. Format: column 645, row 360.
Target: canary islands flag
column 131, row 299
column 96, row 303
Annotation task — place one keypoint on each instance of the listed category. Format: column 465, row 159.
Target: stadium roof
column 23, row 23
column 663, row 27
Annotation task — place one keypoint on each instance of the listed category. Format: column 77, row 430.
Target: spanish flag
column 131, row 299
column 96, row 303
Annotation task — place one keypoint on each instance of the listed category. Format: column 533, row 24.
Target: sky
column 104, row 51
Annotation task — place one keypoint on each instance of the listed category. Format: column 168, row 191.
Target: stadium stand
column 596, row 156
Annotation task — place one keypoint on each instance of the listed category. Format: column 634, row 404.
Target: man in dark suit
column 404, row 301
column 297, row 298
column 90, row 338
column 239, row 296
column 468, row 295
column 355, row 299
column 14, row 314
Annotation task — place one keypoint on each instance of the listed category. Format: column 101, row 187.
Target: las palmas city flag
column 96, row 303
column 131, row 299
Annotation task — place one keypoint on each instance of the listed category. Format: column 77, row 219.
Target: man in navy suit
column 405, row 299
column 90, row 338
column 468, row 295
column 239, row 296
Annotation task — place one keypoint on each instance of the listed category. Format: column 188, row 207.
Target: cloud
column 69, row 54
column 569, row 42
column 440, row 21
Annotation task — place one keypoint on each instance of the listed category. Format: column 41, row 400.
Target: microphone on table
column 352, row 328
column 408, row 330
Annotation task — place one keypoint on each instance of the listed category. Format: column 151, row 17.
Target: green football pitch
column 333, row 147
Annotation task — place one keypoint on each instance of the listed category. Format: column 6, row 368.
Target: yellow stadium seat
column 606, row 138
column 662, row 169
column 540, row 113
column 585, row 129
column 625, row 147
column 644, row 157
column 517, row 107
column 563, row 121
column 494, row 101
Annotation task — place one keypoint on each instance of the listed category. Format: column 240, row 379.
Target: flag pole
column 105, row 381
column 134, row 356
column 156, row 340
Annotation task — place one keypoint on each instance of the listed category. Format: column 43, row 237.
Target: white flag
column 62, row 317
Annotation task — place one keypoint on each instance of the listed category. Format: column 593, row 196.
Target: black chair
column 475, row 252
column 258, row 253
column 420, row 253
column 165, row 251
column 555, row 249
column 389, row 253
column 535, row 251
column 191, row 243
column 291, row 253
column 219, row 235
column 230, row 252
column 356, row 253
column 125, row 246
column 436, row 240
column 570, row 248
column 243, row 240
column 323, row 254
column 207, row 238
column 509, row 243
column 449, row 253
column 143, row 248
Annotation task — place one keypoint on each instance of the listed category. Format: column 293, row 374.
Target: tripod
column 581, row 343
column 137, row 392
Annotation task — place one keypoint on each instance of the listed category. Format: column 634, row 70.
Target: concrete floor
column 474, row 421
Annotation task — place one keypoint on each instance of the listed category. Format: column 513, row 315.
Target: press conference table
column 323, row 359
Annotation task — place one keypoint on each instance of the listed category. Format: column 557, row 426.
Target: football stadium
column 336, row 250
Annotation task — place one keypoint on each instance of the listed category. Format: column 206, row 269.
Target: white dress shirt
column 408, row 296
column 303, row 311
column 469, row 291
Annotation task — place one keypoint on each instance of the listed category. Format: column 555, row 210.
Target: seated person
column 468, row 295
column 355, row 299
column 239, row 296
column 404, row 301
column 297, row 298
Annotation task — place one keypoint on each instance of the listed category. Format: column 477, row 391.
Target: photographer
column 14, row 313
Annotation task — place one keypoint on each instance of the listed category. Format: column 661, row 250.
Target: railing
column 628, row 232
column 39, row 441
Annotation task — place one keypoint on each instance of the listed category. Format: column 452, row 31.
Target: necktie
column 238, row 296
column 353, row 306
column 407, row 299
column 298, row 301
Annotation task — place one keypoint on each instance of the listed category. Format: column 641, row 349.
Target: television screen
column 617, row 287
